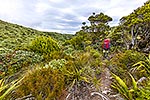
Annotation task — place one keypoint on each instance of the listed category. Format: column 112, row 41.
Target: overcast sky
column 64, row 16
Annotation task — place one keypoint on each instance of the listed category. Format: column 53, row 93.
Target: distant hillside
column 13, row 35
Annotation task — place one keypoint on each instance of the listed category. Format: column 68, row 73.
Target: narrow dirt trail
column 106, row 81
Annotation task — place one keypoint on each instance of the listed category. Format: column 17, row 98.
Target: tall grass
column 5, row 89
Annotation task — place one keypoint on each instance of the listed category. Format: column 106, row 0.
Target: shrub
column 43, row 45
column 14, row 61
column 56, row 64
column 122, row 62
column 56, row 55
column 77, row 42
column 42, row 83
column 68, row 50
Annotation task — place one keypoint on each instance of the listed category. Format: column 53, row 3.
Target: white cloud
column 64, row 16
column 8, row 8
column 41, row 7
column 56, row 1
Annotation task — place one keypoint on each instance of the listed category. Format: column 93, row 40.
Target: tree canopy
column 137, row 24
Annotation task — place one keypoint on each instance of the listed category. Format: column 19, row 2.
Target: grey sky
column 64, row 16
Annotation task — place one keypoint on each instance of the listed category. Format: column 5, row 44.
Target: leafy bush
column 77, row 42
column 122, row 62
column 44, row 45
column 14, row 61
column 68, row 50
column 56, row 55
column 56, row 64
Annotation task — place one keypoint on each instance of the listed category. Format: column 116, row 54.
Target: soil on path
column 106, row 81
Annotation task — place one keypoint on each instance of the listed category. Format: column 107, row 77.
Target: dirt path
column 106, row 91
column 106, row 81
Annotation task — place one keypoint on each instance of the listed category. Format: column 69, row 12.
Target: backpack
column 106, row 44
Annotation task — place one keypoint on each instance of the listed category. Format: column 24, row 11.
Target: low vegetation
column 53, row 66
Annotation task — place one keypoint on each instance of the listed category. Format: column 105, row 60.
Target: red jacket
column 106, row 44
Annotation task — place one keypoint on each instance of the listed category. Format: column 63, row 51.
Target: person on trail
column 106, row 47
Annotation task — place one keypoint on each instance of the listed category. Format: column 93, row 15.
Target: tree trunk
column 134, row 32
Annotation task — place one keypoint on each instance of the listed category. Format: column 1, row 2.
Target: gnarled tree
column 99, row 22
column 137, row 24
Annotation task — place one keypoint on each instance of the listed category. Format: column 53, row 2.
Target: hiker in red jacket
column 106, row 47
